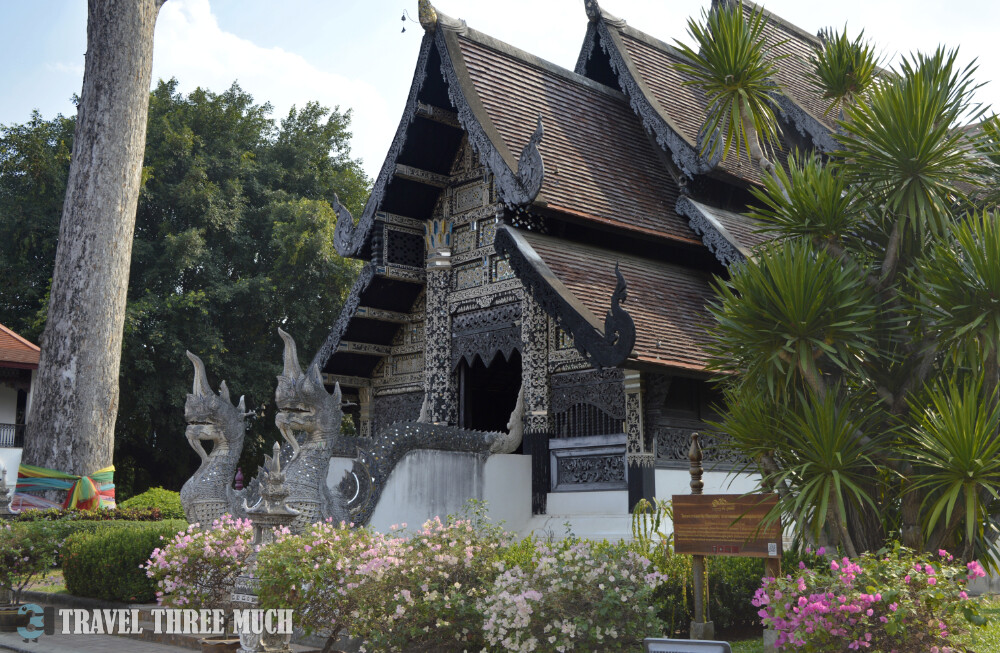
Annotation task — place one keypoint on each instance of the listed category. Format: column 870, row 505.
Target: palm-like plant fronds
column 959, row 286
column 902, row 145
column 826, row 460
column 955, row 451
column 791, row 308
column 843, row 69
column 734, row 70
column 811, row 200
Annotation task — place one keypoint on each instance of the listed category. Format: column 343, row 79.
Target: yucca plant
column 959, row 284
column 826, row 462
column 791, row 317
column 903, row 147
column 810, row 200
column 878, row 286
column 843, row 70
column 955, row 452
column 734, row 69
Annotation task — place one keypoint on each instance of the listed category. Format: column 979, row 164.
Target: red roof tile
column 15, row 351
column 667, row 302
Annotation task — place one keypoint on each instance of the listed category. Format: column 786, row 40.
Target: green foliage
column 108, row 563
column 960, row 283
column 843, row 69
column 647, row 523
column 233, row 238
column 733, row 68
column 807, row 201
column 102, row 515
column 877, row 299
column 24, row 556
column 166, row 501
column 781, row 318
column 34, row 164
column 901, row 145
column 955, row 451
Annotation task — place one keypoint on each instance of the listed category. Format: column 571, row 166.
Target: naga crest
column 211, row 417
column 302, row 400
column 207, row 412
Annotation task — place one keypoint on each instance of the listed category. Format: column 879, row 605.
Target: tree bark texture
column 72, row 421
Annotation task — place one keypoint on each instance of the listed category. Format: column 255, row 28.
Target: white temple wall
column 427, row 483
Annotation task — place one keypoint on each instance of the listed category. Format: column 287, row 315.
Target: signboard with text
column 726, row 524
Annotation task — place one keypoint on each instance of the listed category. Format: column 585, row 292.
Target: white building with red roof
column 18, row 367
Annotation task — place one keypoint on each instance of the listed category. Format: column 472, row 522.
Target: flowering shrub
column 197, row 568
column 392, row 590
column 24, row 555
column 319, row 573
column 574, row 596
column 892, row 601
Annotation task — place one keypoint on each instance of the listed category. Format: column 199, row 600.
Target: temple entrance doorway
column 488, row 392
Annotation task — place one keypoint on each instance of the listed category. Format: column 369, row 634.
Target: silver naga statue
column 309, row 419
column 304, row 406
column 213, row 418
column 6, row 493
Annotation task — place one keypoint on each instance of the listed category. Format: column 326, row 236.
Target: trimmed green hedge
column 106, row 562
column 103, row 514
column 167, row 501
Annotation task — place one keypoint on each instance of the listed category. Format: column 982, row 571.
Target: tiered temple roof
column 606, row 159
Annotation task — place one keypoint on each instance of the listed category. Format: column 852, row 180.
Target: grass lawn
column 51, row 583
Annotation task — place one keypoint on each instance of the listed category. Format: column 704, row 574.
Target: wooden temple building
column 515, row 200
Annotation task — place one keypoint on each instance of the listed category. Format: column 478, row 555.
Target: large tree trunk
column 72, row 421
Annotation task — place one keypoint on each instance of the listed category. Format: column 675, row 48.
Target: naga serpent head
column 302, row 400
column 211, row 416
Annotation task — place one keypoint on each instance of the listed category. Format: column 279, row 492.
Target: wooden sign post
column 721, row 524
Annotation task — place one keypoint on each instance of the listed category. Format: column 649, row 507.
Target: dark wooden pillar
column 639, row 456
column 536, row 445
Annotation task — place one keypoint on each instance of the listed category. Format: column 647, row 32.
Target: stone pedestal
column 704, row 630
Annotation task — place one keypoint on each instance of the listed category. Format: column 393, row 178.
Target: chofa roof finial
column 592, row 8
column 428, row 15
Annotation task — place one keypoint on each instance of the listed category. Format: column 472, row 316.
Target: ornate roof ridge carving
column 668, row 136
column 608, row 349
column 518, row 182
column 713, row 234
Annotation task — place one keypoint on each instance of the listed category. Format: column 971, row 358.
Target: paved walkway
column 83, row 644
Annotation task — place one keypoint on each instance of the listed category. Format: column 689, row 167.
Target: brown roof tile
column 16, row 350
column 793, row 70
column 599, row 163
column 667, row 302
column 686, row 105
